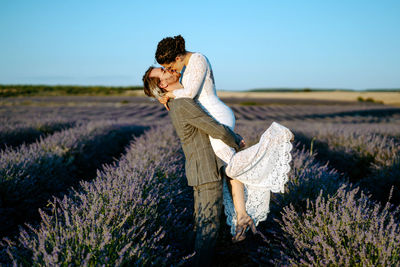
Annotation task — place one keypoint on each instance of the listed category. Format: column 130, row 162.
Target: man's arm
column 197, row 117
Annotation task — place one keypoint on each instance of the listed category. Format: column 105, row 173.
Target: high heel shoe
column 241, row 231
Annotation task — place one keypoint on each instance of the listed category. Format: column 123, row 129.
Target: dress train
column 262, row 168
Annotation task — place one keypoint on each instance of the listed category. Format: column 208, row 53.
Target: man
column 194, row 126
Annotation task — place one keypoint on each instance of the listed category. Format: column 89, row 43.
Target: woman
column 198, row 83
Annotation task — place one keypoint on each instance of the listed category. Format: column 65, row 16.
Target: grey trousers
column 207, row 211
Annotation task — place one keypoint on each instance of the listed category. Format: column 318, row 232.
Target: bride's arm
column 197, row 117
column 195, row 78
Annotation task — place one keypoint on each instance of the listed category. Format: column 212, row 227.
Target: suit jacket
column 194, row 126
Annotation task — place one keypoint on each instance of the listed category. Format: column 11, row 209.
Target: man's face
column 166, row 77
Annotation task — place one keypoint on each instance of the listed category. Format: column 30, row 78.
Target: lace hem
column 267, row 163
column 262, row 168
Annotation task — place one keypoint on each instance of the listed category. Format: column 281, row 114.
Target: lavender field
column 93, row 181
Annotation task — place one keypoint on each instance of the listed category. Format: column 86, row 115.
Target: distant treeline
column 321, row 90
column 46, row 90
column 37, row 90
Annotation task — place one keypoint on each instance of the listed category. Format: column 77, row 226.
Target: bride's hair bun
column 169, row 48
column 179, row 43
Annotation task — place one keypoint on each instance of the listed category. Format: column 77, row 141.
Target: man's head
column 157, row 80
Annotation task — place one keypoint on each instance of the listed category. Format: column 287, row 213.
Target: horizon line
column 226, row 90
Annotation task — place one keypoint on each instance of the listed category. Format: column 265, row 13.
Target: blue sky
column 250, row 44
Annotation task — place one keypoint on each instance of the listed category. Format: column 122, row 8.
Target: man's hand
column 242, row 143
column 164, row 100
column 166, row 106
column 170, row 95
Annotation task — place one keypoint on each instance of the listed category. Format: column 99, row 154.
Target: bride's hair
column 150, row 85
column 169, row 48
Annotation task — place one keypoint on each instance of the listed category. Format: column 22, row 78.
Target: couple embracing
column 221, row 171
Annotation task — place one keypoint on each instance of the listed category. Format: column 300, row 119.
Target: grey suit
column 194, row 126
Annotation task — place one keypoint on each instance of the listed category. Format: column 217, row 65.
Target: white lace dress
column 262, row 168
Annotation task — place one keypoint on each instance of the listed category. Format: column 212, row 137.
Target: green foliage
column 32, row 90
column 369, row 99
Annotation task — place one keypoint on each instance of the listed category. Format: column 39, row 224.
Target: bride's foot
column 241, row 227
column 292, row 137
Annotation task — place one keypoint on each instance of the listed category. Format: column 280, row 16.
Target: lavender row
column 119, row 187
column 361, row 138
column 374, row 148
column 136, row 108
column 133, row 213
column 134, row 112
column 321, row 220
column 378, row 145
column 345, row 229
column 344, row 114
column 16, row 133
column 30, row 174
column 368, row 154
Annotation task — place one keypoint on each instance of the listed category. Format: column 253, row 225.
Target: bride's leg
column 243, row 221
column 236, row 188
column 237, row 191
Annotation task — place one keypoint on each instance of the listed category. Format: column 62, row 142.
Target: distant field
column 387, row 98
column 285, row 96
column 57, row 90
